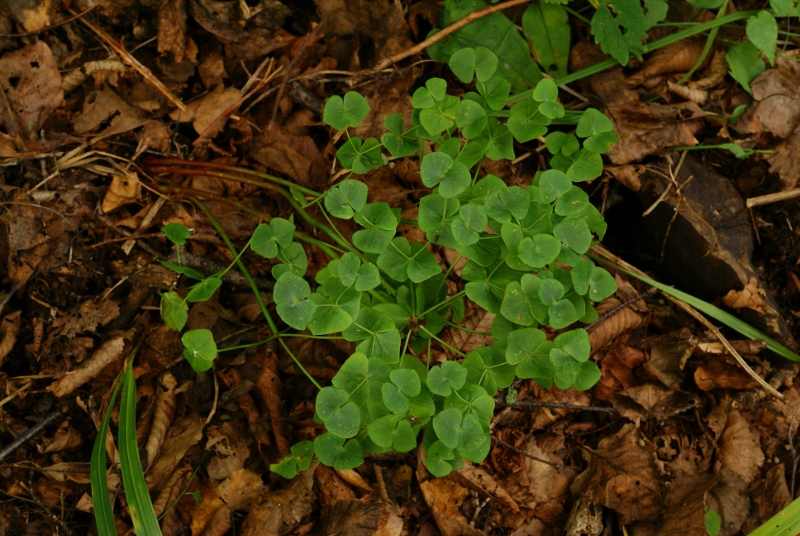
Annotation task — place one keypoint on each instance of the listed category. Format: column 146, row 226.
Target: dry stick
column 56, row 25
column 30, row 433
column 126, row 57
column 555, row 405
column 603, row 253
column 772, row 198
column 618, row 308
column 416, row 49
column 509, row 446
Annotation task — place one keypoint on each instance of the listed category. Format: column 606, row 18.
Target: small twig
column 772, row 198
column 416, row 49
column 28, row 434
column 511, row 447
column 126, row 57
column 619, row 307
column 555, row 405
column 56, row 25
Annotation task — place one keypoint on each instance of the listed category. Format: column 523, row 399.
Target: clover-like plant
column 524, row 248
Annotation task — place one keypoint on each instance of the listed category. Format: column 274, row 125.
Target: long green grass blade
column 141, row 507
column 784, row 523
column 103, row 511
column 714, row 312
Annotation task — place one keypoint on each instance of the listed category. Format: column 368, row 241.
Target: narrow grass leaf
column 103, row 511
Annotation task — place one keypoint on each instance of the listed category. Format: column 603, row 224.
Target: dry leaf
column 104, row 105
column 32, row 85
column 444, row 498
column 720, row 373
column 65, row 438
column 751, row 296
column 208, row 109
column 124, row 189
column 172, row 489
column 700, row 96
column 674, row 58
column 10, row 328
column 163, row 414
column 629, row 175
column 623, row 475
column 185, row 433
column 229, row 446
column 740, row 448
column 479, row 480
column 360, row 518
column 283, row 510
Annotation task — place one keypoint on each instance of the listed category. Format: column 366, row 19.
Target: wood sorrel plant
column 525, row 264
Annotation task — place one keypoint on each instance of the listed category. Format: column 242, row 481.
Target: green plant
column 525, row 249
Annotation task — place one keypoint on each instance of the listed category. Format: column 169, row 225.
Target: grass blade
column 103, row 511
column 141, row 507
column 784, row 523
column 714, row 312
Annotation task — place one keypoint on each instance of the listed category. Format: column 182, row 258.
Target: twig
column 416, row 49
column 28, row 434
column 619, row 307
column 511, row 447
column 609, row 257
column 126, row 57
column 772, row 198
column 555, row 405
column 56, row 25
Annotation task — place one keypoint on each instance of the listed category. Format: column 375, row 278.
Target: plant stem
column 256, row 292
column 709, row 42
column 440, row 341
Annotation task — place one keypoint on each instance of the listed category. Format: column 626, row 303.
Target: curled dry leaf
column 105, row 105
column 751, row 296
column 269, row 386
column 10, row 328
column 650, row 401
column 714, row 74
column 65, row 438
column 623, row 474
column 32, row 85
column 674, row 58
column 585, row 519
column 110, row 352
column 72, row 471
column 124, row 189
column 332, row 488
column 700, row 96
column 172, row 489
column 610, row 328
column 617, row 368
column 162, row 416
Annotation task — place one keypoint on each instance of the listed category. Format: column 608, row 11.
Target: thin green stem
column 462, row 328
column 442, row 304
column 650, row 47
column 707, row 48
column 440, row 341
column 253, row 286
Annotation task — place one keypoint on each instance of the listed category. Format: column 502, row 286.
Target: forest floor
column 675, row 426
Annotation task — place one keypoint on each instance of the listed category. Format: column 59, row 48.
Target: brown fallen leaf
column 479, row 480
column 674, row 58
column 444, row 498
column 630, row 175
column 282, row 511
column 650, row 401
column 229, row 446
column 360, row 518
column 10, row 328
column 32, row 14
column 751, row 296
column 585, row 519
column 269, row 385
column 668, row 356
column 740, row 448
column 105, row 105
column 32, row 84
column 721, row 373
column 110, row 352
column 613, row 326
column 124, row 189
column 624, row 475
column 163, row 415
column 172, row 28
column 65, row 438
column 187, row 432
column 172, row 488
